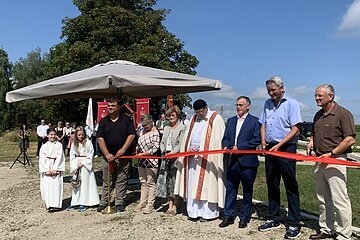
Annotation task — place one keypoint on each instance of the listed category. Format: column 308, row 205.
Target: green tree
column 112, row 29
column 31, row 69
column 26, row 71
column 6, row 112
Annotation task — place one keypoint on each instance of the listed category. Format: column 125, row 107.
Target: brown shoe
column 321, row 235
column 149, row 209
column 139, row 208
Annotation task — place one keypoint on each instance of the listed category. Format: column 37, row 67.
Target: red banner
column 142, row 107
column 170, row 101
column 102, row 110
column 293, row 156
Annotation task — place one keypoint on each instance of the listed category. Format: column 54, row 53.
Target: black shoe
column 226, row 222
column 100, row 208
column 206, row 220
column 120, row 208
column 192, row 219
column 52, row 209
column 243, row 223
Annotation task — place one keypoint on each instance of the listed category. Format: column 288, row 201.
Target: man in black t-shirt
column 115, row 135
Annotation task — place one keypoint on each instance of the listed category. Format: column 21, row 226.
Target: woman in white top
column 81, row 162
column 170, row 144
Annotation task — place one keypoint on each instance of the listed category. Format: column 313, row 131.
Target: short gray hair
column 276, row 80
column 146, row 120
column 329, row 88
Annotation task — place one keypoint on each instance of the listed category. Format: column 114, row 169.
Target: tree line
column 105, row 30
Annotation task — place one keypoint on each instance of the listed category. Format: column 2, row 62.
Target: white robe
column 51, row 157
column 87, row 194
column 202, row 202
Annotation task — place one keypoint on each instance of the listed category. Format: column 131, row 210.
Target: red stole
column 203, row 158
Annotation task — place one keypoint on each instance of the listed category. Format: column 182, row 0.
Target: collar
column 332, row 111
column 284, row 98
column 207, row 117
column 243, row 117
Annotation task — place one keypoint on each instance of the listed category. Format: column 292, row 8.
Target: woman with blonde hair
column 170, row 144
column 81, row 163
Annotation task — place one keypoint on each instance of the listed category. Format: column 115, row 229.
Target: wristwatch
column 332, row 154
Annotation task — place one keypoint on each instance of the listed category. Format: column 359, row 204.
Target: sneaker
column 120, row 208
column 269, row 225
column 82, row 208
column 70, row 208
column 292, row 232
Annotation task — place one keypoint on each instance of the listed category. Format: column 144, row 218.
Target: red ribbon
column 293, row 156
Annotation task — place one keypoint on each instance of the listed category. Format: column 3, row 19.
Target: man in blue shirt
column 280, row 126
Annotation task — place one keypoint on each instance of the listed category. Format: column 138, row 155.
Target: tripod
column 23, row 156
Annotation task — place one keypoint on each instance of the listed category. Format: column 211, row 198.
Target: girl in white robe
column 81, row 160
column 52, row 168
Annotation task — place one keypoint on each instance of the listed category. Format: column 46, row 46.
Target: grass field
column 9, row 151
column 308, row 201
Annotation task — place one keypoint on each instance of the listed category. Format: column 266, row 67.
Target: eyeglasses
column 239, row 105
column 320, row 96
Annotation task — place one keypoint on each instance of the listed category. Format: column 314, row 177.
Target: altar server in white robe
column 81, row 161
column 52, row 168
column 200, row 179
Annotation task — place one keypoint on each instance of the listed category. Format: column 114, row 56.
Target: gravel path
column 23, row 216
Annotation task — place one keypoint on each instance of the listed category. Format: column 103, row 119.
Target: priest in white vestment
column 200, row 179
column 81, row 160
column 51, row 168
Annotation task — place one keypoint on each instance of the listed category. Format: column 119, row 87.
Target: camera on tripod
column 24, row 135
column 24, row 142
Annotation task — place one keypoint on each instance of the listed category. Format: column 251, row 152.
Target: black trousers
column 40, row 141
column 277, row 168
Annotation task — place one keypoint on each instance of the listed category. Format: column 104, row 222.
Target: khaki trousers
column 147, row 177
column 118, row 181
column 333, row 200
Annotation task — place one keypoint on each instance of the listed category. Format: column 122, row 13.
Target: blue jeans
column 277, row 168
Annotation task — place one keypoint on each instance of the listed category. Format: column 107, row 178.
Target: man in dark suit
column 242, row 133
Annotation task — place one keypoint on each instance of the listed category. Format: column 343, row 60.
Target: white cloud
column 350, row 24
column 304, row 107
column 225, row 110
column 227, row 93
column 299, row 91
column 259, row 93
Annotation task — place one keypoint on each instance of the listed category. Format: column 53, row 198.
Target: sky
column 242, row 43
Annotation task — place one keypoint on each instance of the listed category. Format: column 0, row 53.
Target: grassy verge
column 308, row 201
